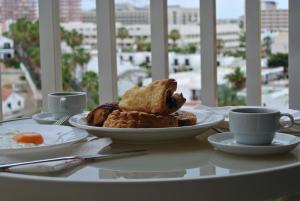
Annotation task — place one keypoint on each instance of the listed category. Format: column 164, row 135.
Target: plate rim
column 145, row 130
column 84, row 134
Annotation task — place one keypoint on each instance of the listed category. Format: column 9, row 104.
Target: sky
column 226, row 9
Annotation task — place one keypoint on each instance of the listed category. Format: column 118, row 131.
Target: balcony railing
column 51, row 52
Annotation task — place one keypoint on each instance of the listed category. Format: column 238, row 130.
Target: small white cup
column 256, row 126
column 61, row 104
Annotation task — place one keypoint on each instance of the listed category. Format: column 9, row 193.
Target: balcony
column 50, row 51
column 206, row 84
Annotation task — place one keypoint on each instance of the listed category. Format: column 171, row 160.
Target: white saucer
column 282, row 143
column 44, row 118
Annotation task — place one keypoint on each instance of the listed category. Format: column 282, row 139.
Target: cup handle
column 291, row 120
column 63, row 102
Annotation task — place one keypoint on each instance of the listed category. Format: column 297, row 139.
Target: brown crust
column 185, row 118
column 134, row 119
column 98, row 115
column 157, row 98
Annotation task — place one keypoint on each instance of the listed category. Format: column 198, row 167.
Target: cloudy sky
column 226, row 9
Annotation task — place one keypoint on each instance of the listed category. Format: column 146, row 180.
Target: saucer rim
column 37, row 117
column 237, row 145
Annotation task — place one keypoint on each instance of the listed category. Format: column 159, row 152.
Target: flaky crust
column 157, row 98
column 185, row 118
column 134, row 119
column 98, row 115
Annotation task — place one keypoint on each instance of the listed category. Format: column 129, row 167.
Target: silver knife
column 90, row 157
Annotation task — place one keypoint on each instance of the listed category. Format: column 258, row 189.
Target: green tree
column 90, row 84
column 279, row 59
column 236, row 79
column 140, row 44
column 243, row 40
column 82, row 58
column 220, row 45
column 228, row 96
column 122, row 34
column 72, row 38
column 174, row 36
column 25, row 35
column 266, row 46
column 237, row 53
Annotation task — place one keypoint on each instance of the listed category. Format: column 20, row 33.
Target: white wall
column 14, row 103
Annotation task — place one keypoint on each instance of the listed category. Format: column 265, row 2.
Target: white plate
column 205, row 120
column 281, row 143
column 44, row 118
column 55, row 137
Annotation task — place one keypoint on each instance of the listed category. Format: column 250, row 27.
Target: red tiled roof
column 6, row 92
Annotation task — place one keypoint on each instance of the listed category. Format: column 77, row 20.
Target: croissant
column 157, row 98
column 98, row 115
column 134, row 119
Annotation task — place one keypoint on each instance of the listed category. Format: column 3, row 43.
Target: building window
column 131, row 58
column 187, row 62
column 19, row 103
column 9, row 105
column 6, row 46
column 175, row 62
column 174, row 18
column 7, row 56
column 147, row 59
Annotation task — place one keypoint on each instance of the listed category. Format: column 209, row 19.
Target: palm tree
column 220, row 45
column 237, row 79
column 267, row 43
column 73, row 38
column 140, row 44
column 82, row 57
column 122, row 34
column 90, row 84
column 174, row 36
column 25, row 35
column 228, row 96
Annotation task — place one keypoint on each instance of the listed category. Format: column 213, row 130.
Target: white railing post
column 253, row 48
column 50, row 50
column 294, row 54
column 159, row 39
column 106, row 34
column 208, row 52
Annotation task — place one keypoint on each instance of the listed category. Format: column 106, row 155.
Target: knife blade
column 89, row 157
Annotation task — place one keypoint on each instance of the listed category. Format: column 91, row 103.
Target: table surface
column 185, row 159
column 190, row 158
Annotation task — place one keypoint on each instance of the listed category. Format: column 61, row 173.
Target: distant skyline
column 226, row 9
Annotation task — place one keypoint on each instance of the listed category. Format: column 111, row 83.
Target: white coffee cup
column 61, row 104
column 256, row 126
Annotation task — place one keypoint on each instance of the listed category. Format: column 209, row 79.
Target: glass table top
column 191, row 158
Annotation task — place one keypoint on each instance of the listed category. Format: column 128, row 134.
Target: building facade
column 190, row 34
column 6, row 48
column 70, row 10
column 274, row 20
column 128, row 14
column 16, row 9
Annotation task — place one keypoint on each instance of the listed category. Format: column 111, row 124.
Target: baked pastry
column 157, row 98
column 185, row 118
column 98, row 115
column 134, row 119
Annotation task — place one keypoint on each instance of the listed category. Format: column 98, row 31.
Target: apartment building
column 272, row 18
column 70, row 10
column 190, row 34
column 128, row 14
